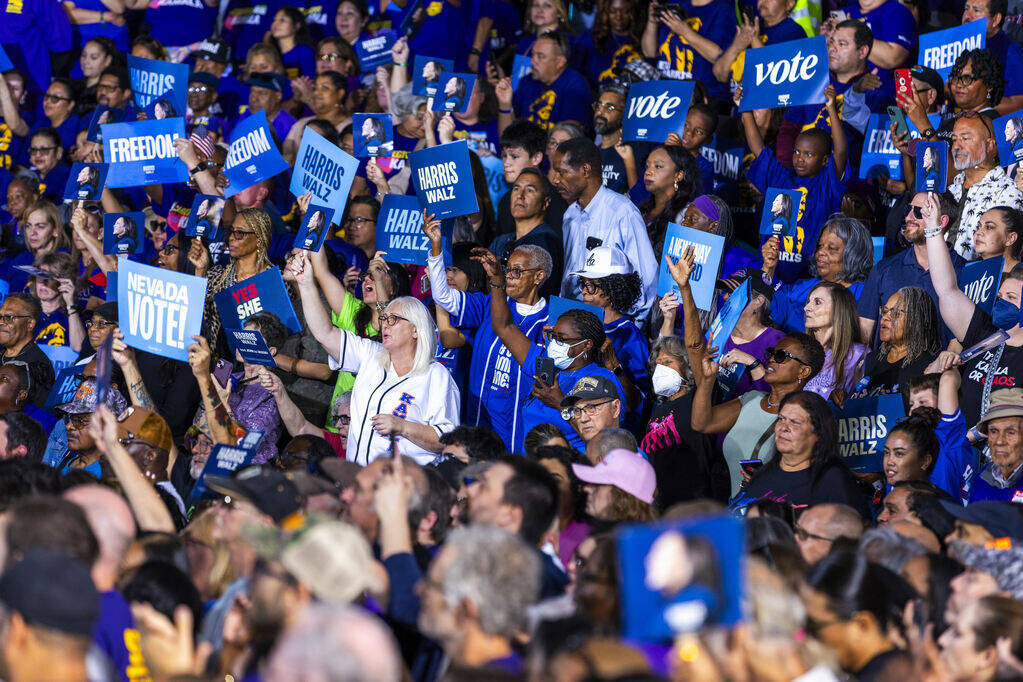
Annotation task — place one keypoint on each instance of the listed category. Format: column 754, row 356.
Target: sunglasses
column 779, row 356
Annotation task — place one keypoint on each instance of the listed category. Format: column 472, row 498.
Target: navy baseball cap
column 270, row 81
column 207, row 79
column 52, row 590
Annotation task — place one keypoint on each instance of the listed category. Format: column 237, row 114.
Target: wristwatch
column 929, row 133
column 199, row 168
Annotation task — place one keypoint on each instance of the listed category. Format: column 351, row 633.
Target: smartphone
column 750, row 465
column 838, row 15
column 673, row 8
column 222, row 372
column 899, row 119
column 545, row 371
column 904, row 84
column 749, row 13
column 993, row 341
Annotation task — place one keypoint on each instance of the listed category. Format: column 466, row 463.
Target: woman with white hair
column 400, row 390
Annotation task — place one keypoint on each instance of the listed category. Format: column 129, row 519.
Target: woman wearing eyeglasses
column 327, row 100
column 976, row 84
column 59, row 103
column 908, row 332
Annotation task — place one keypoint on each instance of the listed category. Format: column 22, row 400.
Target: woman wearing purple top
column 831, row 318
column 752, row 335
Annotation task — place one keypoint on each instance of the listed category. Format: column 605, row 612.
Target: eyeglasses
column 343, row 419
column 894, row 312
column 198, row 88
column 589, row 410
column 803, row 535
column 357, row 221
column 239, row 234
column 966, row 79
column 77, row 421
column 8, row 318
column 40, row 150
column 589, row 286
column 779, row 356
column 56, row 98
column 332, row 57
column 610, row 108
column 168, row 249
column 391, row 320
column 102, row 325
column 107, row 88
column 562, row 339
column 516, row 272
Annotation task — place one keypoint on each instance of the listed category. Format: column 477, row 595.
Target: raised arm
column 956, row 307
column 840, row 146
column 517, row 343
column 706, row 417
column 400, row 54
column 75, row 328
column 9, row 110
column 291, row 416
column 93, row 245
column 316, row 317
column 744, row 34
column 224, row 427
column 692, row 330
column 888, row 55
column 124, row 356
column 444, row 296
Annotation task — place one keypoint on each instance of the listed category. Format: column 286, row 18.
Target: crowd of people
column 448, row 469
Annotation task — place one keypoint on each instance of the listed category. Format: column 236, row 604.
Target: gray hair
column 414, row 311
column 332, row 643
column 610, row 439
column 858, row 251
column 571, row 128
column 676, row 348
column 539, row 257
column 496, row 571
column 884, row 546
column 404, row 103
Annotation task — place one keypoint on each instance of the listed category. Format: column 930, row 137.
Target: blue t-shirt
column 299, row 61
column 444, row 32
column 566, row 99
column 706, row 174
column 892, row 22
column 176, row 23
column 52, row 184
column 83, row 33
column 1010, row 55
column 598, row 65
column 632, row 351
column 789, row 300
column 784, row 31
column 957, row 461
column 114, row 629
column 677, row 60
column 246, row 22
column 29, row 31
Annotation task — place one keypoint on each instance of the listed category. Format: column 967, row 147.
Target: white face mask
column 666, row 381
column 558, row 352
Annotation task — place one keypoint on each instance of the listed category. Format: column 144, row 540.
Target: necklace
column 771, row 405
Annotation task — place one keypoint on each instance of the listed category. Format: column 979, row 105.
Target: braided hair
column 622, row 291
column 921, row 328
column 589, row 329
column 986, row 67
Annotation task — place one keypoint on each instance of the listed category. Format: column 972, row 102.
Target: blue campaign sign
column 124, row 233
column 656, row 109
column 785, row 74
column 203, row 220
column 86, row 181
column 425, row 73
column 522, row 66
column 102, row 116
column 879, row 154
column 373, row 135
column 375, row 51
column 104, row 368
column 863, row 426
column 780, row 211
column 708, row 250
column 323, row 169
column 224, row 460
column 143, row 152
column 940, row 49
column 721, row 328
column 265, row 291
column 453, row 92
column 315, row 226
column 60, row 356
column 654, row 610
column 558, row 306
column 153, row 80
column 1009, row 134
column 5, row 61
column 251, row 345
column 111, row 287
column 400, row 231
column 932, row 166
column 442, row 178
column 253, row 155
column 878, row 243
column 65, row 386
column 726, row 156
column 979, row 281
column 5, row 288
column 159, row 310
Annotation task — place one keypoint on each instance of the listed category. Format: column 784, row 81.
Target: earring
column 676, row 185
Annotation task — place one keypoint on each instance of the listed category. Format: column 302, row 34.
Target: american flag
column 200, row 137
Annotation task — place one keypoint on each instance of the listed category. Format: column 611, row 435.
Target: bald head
column 822, row 524
column 112, row 523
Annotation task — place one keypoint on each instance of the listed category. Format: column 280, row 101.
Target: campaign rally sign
column 323, row 169
column 374, row 135
column 400, row 231
column 224, row 460
column 204, row 218
column 124, row 233
column 425, row 73
column 940, row 49
column 654, row 607
column 932, row 166
column 65, row 386
column 375, row 51
column 721, row 328
column 708, row 251
column 102, row 116
column 980, row 280
column 863, row 426
column 251, row 345
column 785, row 74
column 5, row 62
column 880, row 157
column 522, row 66
column 153, row 80
column 253, row 155
column 143, row 152
column 60, row 356
column 725, row 156
column 104, row 368
column 86, row 181
column 878, row 243
column 315, row 226
column 656, row 109
column 781, row 207
column 5, row 288
column 442, row 178
column 265, row 291
column 558, row 306
column 159, row 310
column 453, row 92
column 1009, row 134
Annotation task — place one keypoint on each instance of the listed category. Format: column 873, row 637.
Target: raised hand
column 683, row 268
column 199, row 257
column 489, row 262
column 771, row 253
column 199, row 356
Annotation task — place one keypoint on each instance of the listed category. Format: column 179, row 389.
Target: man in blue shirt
column 608, row 112
column 552, row 92
column 1003, row 426
column 1007, row 51
column 894, row 28
column 266, row 90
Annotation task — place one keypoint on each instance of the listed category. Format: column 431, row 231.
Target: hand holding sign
column 199, row 257
column 199, row 357
column 431, row 227
column 708, row 366
column 682, row 268
column 770, row 253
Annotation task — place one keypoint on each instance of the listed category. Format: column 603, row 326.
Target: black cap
column 108, row 311
column 270, row 491
column 592, row 387
column 757, row 285
column 207, row 79
column 1001, row 519
column 931, row 77
column 270, row 81
column 52, row 590
column 214, row 49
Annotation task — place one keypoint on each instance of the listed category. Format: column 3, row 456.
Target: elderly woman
column 908, row 332
column 401, row 394
column 620, row 489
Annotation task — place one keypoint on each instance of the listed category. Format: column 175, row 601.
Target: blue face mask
column 1004, row 314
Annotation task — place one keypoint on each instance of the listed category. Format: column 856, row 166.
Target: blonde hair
column 527, row 23
column 60, row 236
column 266, row 50
column 413, row 310
column 260, row 223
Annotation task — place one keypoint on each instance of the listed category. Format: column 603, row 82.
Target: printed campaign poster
column 143, row 152
column 522, row 66
column 780, row 214
column 155, row 81
column 932, row 166
column 60, row 356
column 1009, row 134
column 253, row 155
column 374, row 135
column 558, row 306
column 65, row 386
column 224, row 460
column 251, row 345
column 656, row 109
column 124, row 233
column 400, row 232
column 159, row 310
column 265, row 291
column 721, row 328
column 863, row 426
column 375, row 51
column 453, row 92
column 785, row 74
column 86, row 181
column 940, row 49
column 426, row 71
column 708, row 251
column 880, row 157
column 324, row 170
column 204, row 218
column 102, row 116
column 980, row 280
column 315, row 226
column 442, row 178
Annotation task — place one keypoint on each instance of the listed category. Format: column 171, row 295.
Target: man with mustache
column 619, row 161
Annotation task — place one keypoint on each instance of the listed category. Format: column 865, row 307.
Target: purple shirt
column 109, row 636
column 768, row 338
column 255, row 408
column 824, row 383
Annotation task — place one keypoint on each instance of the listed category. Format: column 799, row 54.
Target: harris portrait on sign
column 432, row 71
column 454, row 94
column 317, row 221
column 781, row 215
column 1014, row 135
column 126, row 234
column 375, row 136
column 85, row 184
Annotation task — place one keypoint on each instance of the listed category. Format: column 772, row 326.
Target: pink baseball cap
column 622, row 469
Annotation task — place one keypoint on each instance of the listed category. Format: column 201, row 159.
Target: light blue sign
column 159, row 310
column 1009, row 134
column 400, row 232
column 253, row 155
column 375, row 51
column 863, row 426
column 940, row 49
column 60, row 356
column 721, row 328
column 143, row 152
column 558, row 306
column 323, row 169
column 251, row 345
column 785, row 74
column 442, row 178
column 980, row 280
column 124, row 233
column 656, row 109
column 264, row 291
column 708, row 250
column 522, row 66
column 153, row 80
column 932, row 166
column 426, row 71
